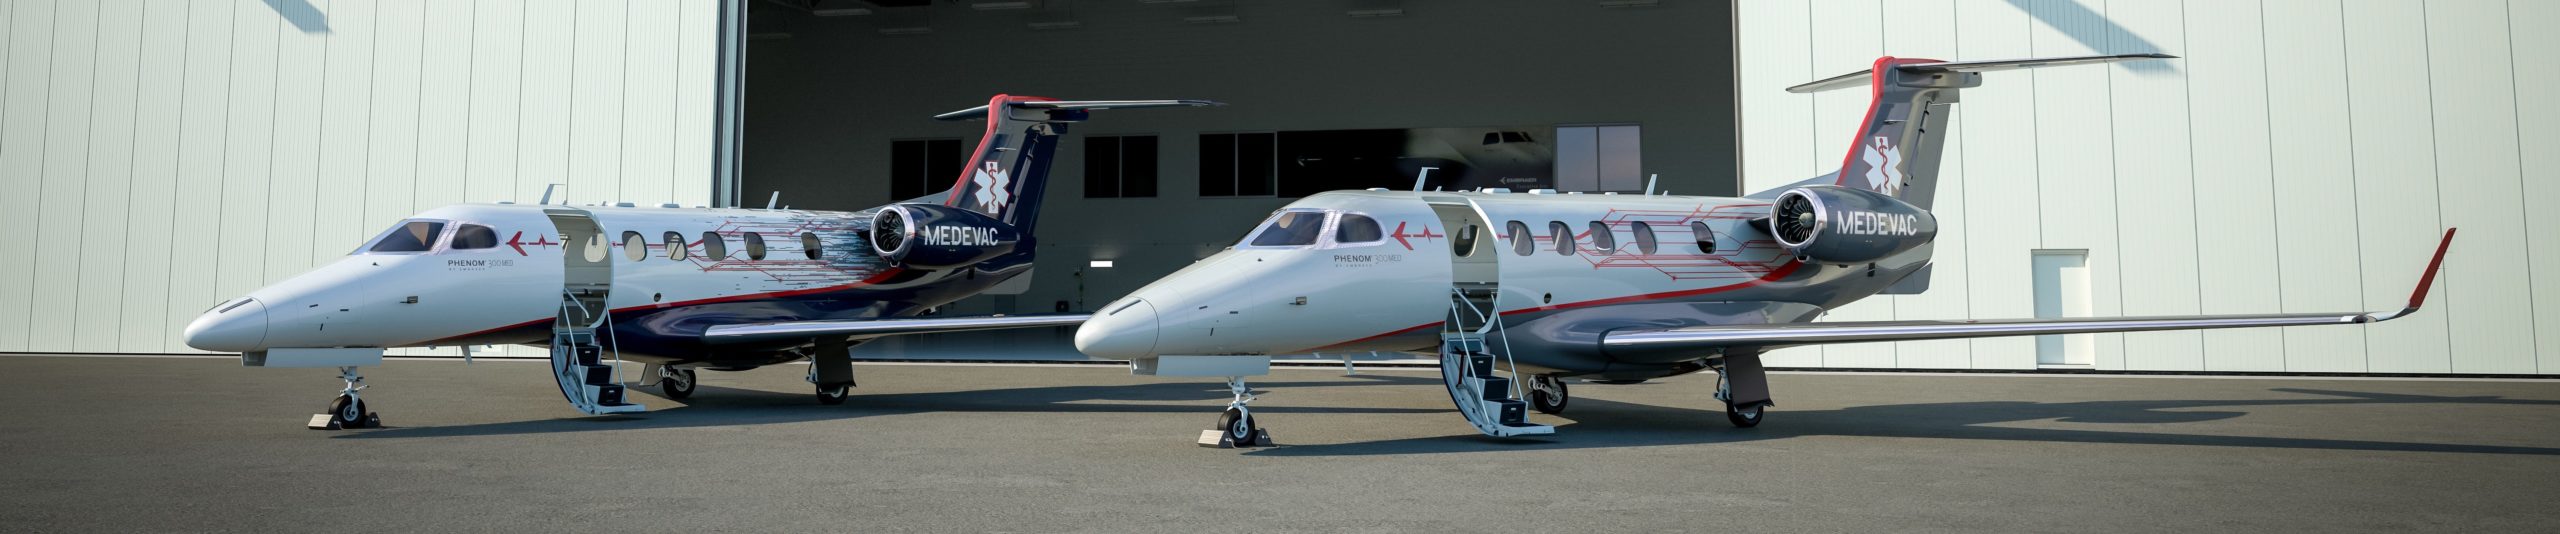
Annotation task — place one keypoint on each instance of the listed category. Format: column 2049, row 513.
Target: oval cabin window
column 1564, row 237
column 1644, row 238
column 810, row 246
column 634, row 246
column 755, row 246
column 1521, row 242
column 1602, row 240
column 676, row 247
column 713, row 247
column 1706, row 237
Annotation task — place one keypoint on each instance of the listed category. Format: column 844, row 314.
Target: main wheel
column 1744, row 417
column 349, row 411
column 1548, row 395
column 833, row 395
column 1238, row 425
column 675, row 383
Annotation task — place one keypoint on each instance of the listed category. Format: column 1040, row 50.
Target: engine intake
column 929, row 236
column 1841, row 225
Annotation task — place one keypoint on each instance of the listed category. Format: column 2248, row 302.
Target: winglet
column 2425, row 281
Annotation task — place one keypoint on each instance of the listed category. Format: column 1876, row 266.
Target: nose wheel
column 348, row 410
column 1236, row 427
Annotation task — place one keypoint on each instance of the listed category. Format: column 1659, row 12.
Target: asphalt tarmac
column 202, row 444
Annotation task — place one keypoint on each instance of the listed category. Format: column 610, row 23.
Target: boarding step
column 1486, row 400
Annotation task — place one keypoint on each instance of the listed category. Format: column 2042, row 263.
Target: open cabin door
column 586, row 280
column 1471, row 367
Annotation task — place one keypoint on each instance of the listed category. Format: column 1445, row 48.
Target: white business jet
column 1536, row 287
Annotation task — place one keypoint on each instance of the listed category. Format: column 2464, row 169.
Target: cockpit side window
column 1290, row 229
column 474, row 237
column 1357, row 228
column 409, row 236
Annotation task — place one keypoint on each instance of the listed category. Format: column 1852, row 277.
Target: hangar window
column 755, row 246
column 676, row 247
column 1521, row 242
column 635, row 246
column 1644, row 238
column 1239, row 164
column 1602, row 240
column 919, row 167
column 1706, row 237
column 409, row 236
column 1564, row 237
column 1599, row 158
column 810, row 246
column 1120, row 167
column 714, row 247
column 474, row 237
column 1290, row 229
column 1357, row 228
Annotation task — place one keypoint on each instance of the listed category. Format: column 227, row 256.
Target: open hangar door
column 1322, row 95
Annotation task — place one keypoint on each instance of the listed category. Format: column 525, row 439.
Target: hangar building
column 162, row 155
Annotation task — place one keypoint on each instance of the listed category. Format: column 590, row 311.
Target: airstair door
column 1469, row 364
column 580, row 333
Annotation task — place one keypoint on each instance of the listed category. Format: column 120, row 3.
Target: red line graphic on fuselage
column 1400, row 236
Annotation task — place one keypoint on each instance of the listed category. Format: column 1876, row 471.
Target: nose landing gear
column 1236, row 427
column 1547, row 394
column 348, row 411
column 675, row 383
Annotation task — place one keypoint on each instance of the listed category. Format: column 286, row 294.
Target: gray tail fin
column 1006, row 177
column 1903, row 133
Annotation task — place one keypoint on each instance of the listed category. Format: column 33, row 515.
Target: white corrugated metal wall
column 158, row 156
column 2302, row 157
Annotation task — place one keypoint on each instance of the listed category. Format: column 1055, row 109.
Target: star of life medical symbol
column 993, row 187
column 1884, row 166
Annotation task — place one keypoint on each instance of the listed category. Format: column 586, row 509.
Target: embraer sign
column 1859, row 222
column 958, row 236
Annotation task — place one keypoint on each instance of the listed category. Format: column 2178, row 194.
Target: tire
column 1546, row 403
column 833, row 395
column 1745, row 418
column 348, row 411
column 1238, row 426
column 676, row 384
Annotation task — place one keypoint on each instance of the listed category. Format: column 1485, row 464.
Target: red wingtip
column 2429, row 279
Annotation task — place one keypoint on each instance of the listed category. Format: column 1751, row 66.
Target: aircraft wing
column 875, row 328
column 1693, row 339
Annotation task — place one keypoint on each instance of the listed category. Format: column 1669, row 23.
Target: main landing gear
column 831, row 369
column 348, row 411
column 675, row 383
column 1744, row 415
column 1547, row 394
column 1236, row 427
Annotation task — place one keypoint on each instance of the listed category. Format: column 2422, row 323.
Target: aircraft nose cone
column 239, row 326
column 1123, row 332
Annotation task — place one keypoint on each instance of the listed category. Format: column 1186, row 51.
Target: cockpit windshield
column 1290, row 229
column 409, row 236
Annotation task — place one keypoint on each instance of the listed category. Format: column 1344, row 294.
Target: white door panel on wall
column 180, row 153
column 2062, row 290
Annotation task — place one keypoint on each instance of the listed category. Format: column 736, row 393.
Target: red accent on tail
column 996, row 109
column 2429, row 279
column 1876, row 78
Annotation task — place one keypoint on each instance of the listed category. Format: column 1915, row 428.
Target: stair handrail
column 1495, row 323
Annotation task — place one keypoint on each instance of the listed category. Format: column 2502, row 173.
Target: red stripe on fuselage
column 874, row 279
column 1781, row 272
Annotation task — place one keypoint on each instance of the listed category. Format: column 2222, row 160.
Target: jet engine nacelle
column 1830, row 224
column 930, row 236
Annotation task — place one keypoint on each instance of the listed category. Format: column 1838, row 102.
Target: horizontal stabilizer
column 1859, row 78
column 873, row 328
column 980, row 112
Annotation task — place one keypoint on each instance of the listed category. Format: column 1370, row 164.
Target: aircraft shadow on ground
column 1605, row 424
column 719, row 406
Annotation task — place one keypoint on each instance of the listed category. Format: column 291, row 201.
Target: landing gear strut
column 1744, row 415
column 1547, row 394
column 1236, row 427
column 675, row 383
column 831, row 368
column 348, row 411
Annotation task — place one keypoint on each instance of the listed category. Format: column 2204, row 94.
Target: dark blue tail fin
column 1006, row 177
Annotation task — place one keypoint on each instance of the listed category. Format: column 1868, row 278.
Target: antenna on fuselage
column 546, row 192
column 1648, row 183
column 1419, row 178
column 776, row 199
